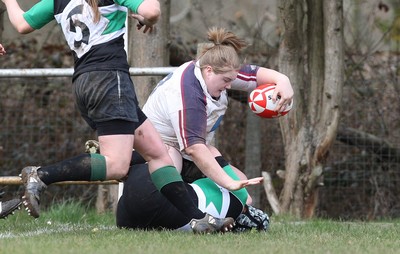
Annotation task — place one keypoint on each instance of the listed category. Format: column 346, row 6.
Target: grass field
column 70, row 228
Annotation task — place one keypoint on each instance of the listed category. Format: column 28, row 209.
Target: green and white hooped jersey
column 95, row 46
column 82, row 33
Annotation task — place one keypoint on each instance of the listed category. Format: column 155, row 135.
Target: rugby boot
column 210, row 224
column 33, row 188
column 8, row 207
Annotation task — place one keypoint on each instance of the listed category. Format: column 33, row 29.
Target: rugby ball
column 260, row 102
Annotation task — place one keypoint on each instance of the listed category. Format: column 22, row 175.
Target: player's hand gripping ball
column 260, row 102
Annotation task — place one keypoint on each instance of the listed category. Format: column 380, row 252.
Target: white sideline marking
column 61, row 228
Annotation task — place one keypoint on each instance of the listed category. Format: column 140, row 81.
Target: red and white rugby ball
column 260, row 102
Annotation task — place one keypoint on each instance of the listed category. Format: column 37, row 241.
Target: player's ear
column 207, row 72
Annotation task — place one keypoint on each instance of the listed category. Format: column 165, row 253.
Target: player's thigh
column 176, row 157
column 117, row 149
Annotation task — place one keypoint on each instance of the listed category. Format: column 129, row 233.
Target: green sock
column 98, row 167
column 164, row 176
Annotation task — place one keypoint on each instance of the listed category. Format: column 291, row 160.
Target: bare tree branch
column 369, row 142
column 271, row 194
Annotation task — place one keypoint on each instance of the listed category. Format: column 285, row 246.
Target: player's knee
column 117, row 169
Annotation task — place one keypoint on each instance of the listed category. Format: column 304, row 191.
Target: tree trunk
column 310, row 129
column 291, row 63
column 149, row 50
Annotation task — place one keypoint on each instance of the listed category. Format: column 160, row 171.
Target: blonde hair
column 95, row 7
column 222, row 53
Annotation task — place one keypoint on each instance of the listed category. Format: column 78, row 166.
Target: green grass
column 71, row 228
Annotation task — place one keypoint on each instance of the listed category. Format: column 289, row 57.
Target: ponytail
column 222, row 53
column 95, row 7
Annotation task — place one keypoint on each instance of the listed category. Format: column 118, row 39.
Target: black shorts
column 108, row 103
column 190, row 172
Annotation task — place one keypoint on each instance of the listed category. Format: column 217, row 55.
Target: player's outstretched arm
column 206, row 162
column 15, row 14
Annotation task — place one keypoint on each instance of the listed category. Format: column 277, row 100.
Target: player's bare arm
column 15, row 14
column 148, row 14
column 206, row 162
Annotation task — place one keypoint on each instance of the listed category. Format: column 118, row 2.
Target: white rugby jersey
column 182, row 110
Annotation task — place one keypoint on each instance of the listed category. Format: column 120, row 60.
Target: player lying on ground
column 142, row 206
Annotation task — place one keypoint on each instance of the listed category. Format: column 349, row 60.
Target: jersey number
column 82, row 27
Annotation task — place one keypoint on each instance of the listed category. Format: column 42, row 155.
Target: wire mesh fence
column 40, row 126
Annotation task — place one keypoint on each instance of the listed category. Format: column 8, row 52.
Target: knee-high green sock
column 84, row 167
column 241, row 194
column 169, row 182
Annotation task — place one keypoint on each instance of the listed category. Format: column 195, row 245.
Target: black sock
column 168, row 181
column 78, row 168
column 178, row 195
